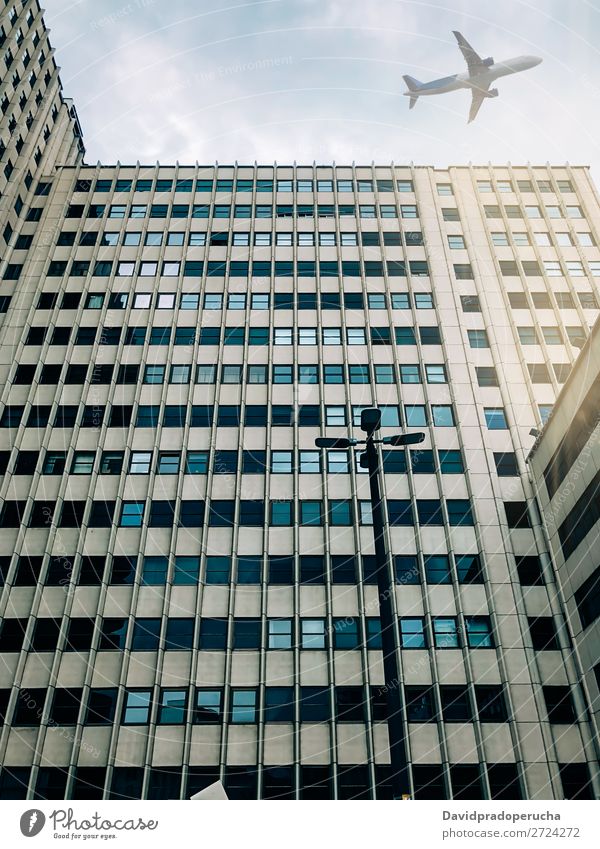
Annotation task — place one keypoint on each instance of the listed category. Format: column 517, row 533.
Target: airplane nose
column 534, row 60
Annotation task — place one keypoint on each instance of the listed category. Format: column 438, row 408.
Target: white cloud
column 168, row 82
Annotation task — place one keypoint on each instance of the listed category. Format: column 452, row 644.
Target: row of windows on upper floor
column 226, row 415
column 200, row 238
column 352, row 781
column 543, row 239
column 534, row 211
column 302, row 300
column 407, row 569
column 306, row 373
column 231, row 268
column 249, row 569
column 103, row 373
column 230, row 186
column 532, row 268
column 250, row 513
column 217, row 211
column 279, row 704
column 226, row 462
column 259, row 336
column 212, row 634
column 503, row 186
column 232, row 374
column 302, row 185
column 241, row 300
column 225, row 513
column 344, row 633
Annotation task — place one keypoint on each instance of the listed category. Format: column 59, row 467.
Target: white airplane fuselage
column 481, row 81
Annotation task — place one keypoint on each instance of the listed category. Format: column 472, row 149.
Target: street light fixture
column 403, row 439
column 370, row 421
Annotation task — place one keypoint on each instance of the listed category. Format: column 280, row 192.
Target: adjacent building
column 188, row 586
column 565, row 463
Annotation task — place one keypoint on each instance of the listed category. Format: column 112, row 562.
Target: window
column 410, row 374
column 443, row 415
column 479, row 632
column 435, row 374
column 154, row 572
column 486, row 376
column 412, row 633
column 495, row 418
column 468, row 568
column 154, row 374
column 416, row 415
column 529, row 570
column 131, row 514
column 281, row 462
column 312, row 633
column 542, row 631
column 456, row 706
column 113, row 634
column 517, row 515
column 139, row 463
column 506, row 464
column 463, row 271
column 456, row 242
column 83, row 463
column 279, row 634
column 445, row 632
column 478, row 339
column 136, row 710
column 213, row 634
column 314, row 704
column 209, row 707
column 437, row 569
column 243, row 706
column 218, row 570
column 335, row 416
column 559, row 704
column 576, row 781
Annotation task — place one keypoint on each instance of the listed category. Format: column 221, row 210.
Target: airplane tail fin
column 411, row 83
column 413, row 87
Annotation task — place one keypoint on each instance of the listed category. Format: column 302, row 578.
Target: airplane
column 481, row 73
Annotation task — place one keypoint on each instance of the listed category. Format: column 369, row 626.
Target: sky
column 321, row 80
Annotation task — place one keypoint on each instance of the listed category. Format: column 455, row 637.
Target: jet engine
column 493, row 92
column 489, row 61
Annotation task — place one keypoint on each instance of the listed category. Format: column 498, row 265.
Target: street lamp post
column 370, row 422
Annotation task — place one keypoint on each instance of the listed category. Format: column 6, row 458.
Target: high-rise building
column 566, row 472
column 188, row 586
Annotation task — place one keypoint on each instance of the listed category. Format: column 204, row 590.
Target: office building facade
column 188, row 588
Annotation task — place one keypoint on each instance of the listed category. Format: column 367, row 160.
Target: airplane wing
column 478, row 96
column 473, row 59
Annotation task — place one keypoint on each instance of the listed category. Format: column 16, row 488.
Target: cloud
column 322, row 80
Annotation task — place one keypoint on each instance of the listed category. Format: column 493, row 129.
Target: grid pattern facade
column 187, row 584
